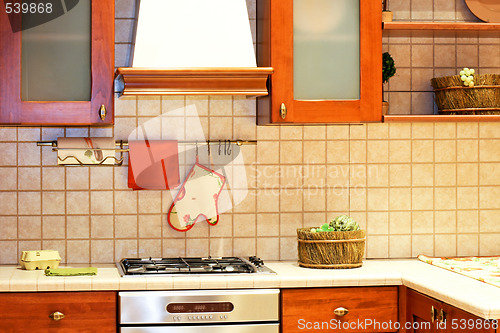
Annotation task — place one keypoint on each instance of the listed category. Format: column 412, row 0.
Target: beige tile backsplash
column 430, row 188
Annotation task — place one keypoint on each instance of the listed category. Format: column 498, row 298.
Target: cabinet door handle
column 442, row 316
column 341, row 311
column 434, row 314
column 102, row 112
column 283, row 111
column 56, row 316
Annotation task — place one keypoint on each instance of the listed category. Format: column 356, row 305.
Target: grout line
column 137, row 216
column 305, row 189
column 232, row 208
column 91, row 236
column 279, row 191
column 478, row 190
column 433, row 187
column 456, row 188
column 161, row 192
column 411, row 190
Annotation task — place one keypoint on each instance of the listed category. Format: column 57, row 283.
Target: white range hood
column 199, row 47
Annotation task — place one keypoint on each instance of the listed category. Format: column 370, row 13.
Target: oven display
column 200, row 307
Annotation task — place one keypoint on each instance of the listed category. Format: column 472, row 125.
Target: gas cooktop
column 179, row 266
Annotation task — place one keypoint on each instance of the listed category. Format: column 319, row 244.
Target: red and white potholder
column 197, row 199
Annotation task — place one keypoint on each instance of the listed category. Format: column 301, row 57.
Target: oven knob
column 225, row 316
column 210, row 317
column 197, row 317
column 189, row 317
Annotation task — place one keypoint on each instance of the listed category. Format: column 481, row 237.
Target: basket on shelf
column 452, row 97
column 336, row 249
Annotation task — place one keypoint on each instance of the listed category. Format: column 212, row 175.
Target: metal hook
column 196, row 148
column 208, row 147
column 219, row 147
column 228, row 150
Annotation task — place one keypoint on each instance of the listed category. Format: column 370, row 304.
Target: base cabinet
column 426, row 314
column 356, row 309
column 58, row 312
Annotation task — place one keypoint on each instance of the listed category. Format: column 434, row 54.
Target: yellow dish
column 485, row 10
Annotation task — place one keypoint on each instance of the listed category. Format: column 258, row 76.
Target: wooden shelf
column 401, row 118
column 249, row 81
column 441, row 26
column 422, row 27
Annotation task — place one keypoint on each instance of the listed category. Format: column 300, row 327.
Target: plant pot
column 330, row 249
column 387, row 16
column 385, row 108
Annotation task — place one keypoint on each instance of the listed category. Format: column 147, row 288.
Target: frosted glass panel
column 326, row 63
column 56, row 56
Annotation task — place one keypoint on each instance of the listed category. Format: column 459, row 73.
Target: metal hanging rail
column 122, row 146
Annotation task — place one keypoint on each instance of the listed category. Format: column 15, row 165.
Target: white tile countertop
column 465, row 293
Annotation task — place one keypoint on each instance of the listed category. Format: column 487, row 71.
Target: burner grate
column 153, row 266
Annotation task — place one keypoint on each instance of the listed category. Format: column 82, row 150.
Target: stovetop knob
column 256, row 261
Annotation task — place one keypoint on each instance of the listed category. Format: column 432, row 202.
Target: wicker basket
column 334, row 249
column 452, row 97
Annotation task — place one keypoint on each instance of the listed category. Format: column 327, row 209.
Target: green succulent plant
column 340, row 223
column 344, row 223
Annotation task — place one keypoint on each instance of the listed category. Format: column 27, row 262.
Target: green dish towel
column 71, row 271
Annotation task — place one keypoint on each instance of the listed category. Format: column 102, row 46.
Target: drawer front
column 370, row 309
column 83, row 312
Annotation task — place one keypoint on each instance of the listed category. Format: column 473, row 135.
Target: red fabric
column 153, row 165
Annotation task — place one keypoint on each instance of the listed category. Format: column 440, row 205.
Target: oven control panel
column 200, row 306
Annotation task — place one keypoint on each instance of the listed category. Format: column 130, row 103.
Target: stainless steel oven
column 200, row 311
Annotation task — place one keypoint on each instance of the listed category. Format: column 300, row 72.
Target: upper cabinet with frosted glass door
column 57, row 62
column 327, row 60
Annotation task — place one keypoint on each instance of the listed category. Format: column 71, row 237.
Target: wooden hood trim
column 250, row 81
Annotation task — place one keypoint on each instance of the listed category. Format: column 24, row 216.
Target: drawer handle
column 341, row 311
column 56, row 316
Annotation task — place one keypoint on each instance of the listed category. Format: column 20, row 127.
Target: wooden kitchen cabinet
column 427, row 314
column 356, row 309
column 30, row 92
column 83, row 312
column 307, row 48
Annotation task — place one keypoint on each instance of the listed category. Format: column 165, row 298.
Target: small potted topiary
column 388, row 71
column 338, row 244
